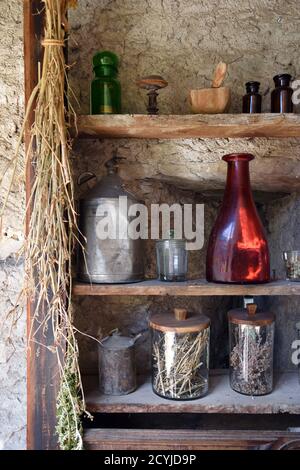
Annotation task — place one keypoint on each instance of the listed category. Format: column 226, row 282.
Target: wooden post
column 42, row 370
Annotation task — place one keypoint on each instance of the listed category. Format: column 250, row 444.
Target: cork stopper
column 180, row 313
column 251, row 309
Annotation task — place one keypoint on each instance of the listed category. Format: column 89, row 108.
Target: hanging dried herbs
column 53, row 226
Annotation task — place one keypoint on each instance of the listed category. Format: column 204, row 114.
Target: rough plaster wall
column 183, row 41
column 12, row 344
column 197, row 163
column 283, row 222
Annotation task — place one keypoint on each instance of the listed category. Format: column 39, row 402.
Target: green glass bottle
column 105, row 87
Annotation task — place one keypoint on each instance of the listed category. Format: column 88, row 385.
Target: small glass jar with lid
column 105, row 87
column 180, row 355
column 172, row 260
column 251, row 344
column 281, row 96
column 252, row 99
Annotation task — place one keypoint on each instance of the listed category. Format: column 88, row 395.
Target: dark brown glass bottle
column 252, row 99
column 281, row 96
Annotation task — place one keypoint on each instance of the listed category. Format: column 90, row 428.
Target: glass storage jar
column 281, row 96
column 172, row 260
column 252, row 98
column 251, row 343
column 292, row 265
column 105, row 87
column 180, row 355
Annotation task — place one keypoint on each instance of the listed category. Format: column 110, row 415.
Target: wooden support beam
column 42, row 373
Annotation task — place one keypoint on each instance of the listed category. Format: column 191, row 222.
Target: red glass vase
column 238, row 250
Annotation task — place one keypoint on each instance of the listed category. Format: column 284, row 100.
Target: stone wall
column 183, row 40
column 12, row 340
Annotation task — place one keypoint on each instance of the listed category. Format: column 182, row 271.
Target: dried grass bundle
column 53, row 226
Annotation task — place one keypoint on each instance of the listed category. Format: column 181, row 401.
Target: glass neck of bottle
column 238, row 180
column 252, row 90
column 105, row 71
column 283, row 81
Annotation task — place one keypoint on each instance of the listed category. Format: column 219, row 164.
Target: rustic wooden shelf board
column 186, row 439
column 189, row 288
column 221, row 399
column 188, row 126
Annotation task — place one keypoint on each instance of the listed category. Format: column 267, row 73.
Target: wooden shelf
column 188, row 126
column 220, row 399
column 174, row 439
column 189, row 288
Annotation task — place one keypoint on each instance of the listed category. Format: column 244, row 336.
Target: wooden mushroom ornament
column 152, row 83
column 214, row 100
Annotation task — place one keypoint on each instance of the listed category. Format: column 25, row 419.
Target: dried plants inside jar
column 292, row 265
column 180, row 359
column 251, row 355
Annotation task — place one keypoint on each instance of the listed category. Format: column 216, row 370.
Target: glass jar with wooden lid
column 251, row 344
column 180, row 354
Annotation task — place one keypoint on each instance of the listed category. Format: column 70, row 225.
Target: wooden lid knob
column 180, row 313
column 152, row 82
column 251, row 309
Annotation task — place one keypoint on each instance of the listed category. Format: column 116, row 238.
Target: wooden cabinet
column 42, row 370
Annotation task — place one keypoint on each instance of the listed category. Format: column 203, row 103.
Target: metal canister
column 113, row 259
column 117, row 364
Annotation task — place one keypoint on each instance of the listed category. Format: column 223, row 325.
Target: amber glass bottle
column 252, row 99
column 105, row 88
column 281, row 96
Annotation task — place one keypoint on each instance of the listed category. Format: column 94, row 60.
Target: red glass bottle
column 238, row 250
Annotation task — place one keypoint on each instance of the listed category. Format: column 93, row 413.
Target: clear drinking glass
column 172, row 260
column 292, row 264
